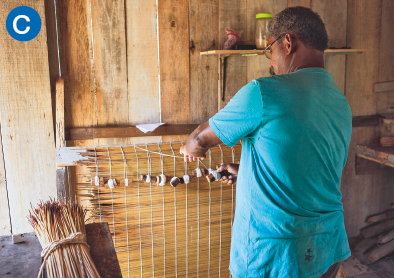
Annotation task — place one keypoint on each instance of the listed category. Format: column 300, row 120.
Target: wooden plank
column 381, row 154
column 102, row 251
column 174, row 63
column 384, row 86
column 203, row 26
column 377, row 218
column 387, row 141
column 382, row 251
column 128, row 132
column 260, row 52
column 53, row 56
column 76, row 58
column 232, row 14
column 259, row 66
column 5, row 220
column 143, row 64
column 377, row 229
column 60, row 131
column 25, row 105
column 387, row 237
column 294, row 3
column 385, row 102
column 334, row 15
column 70, row 156
column 362, row 70
column 164, row 130
column 110, row 65
column 360, row 121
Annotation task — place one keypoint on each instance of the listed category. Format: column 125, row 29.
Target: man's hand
column 233, row 170
column 189, row 158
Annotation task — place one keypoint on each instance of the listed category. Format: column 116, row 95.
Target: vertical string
column 198, row 222
column 139, row 206
column 176, row 243
column 221, row 212
column 164, row 229
column 209, row 244
column 98, row 187
column 187, row 227
column 151, row 210
column 125, row 206
column 112, row 196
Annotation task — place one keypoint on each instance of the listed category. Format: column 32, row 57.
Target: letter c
column 16, row 27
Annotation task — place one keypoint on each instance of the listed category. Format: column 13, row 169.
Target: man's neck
column 306, row 58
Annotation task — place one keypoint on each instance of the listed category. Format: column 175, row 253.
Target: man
column 296, row 129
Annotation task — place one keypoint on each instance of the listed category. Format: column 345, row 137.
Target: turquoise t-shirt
column 296, row 132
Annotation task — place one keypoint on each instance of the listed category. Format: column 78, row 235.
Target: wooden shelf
column 260, row 52
column 381, row 155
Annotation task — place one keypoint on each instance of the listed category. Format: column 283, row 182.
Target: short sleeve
column 241, row 116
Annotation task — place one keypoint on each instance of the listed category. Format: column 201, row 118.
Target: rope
column 186, row 178
column 221, row 216
column 151, row 210
column 111, row 185
column 176, row 250
column 125, row 204
column 74, row 238
column 139, row 207
column 198, row 220
column 98, row 186
column 163, row 178
column 209, row 246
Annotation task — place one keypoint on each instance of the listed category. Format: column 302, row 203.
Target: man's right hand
column 232, row 169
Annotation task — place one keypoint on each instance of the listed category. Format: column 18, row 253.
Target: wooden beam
column 385, row 157
column 387, row 141
column 26, row 114
column 127, row 132
column 60, row 133
column 384, row 86
column 69, row 156
column 377, row 229
column 5, row 220
column 382, row 251
column 359, row 121
column 102, row 250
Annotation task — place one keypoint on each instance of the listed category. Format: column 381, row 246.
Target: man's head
column 304, row 39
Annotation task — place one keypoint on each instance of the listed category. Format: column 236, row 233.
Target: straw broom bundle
column 60, row 228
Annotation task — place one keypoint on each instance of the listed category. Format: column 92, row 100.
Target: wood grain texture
column 76, row 58
column 204, row 36
column 53, row 57
column 26, row 117
column 232, row 14
column 386, row 57
column 102, row 251
column 142, row 64
column 5, row 220
column 259, row 66
column 60, row 130
column 334, row 16
column 110, row 65
column 295, row 3
column 362, row 70
column 174, row 63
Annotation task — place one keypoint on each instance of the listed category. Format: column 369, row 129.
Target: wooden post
column 61, row 172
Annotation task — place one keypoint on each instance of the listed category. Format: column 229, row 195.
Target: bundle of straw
column 60, row 228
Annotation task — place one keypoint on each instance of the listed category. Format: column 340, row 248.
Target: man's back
column 296, row 131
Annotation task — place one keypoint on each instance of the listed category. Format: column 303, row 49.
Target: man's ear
column 290, row 44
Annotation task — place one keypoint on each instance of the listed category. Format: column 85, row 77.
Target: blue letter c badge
column 23, row 23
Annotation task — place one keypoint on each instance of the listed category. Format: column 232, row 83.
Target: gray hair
column 302, row 22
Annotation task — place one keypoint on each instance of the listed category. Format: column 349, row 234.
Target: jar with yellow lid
column 261, row 31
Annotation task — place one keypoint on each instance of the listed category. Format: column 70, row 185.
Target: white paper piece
column 148, row 127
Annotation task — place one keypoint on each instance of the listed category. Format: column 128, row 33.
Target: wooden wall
column 134, row 62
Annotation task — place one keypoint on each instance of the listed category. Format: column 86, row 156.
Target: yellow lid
column 264, row 15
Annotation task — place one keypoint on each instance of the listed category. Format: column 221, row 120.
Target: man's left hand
column 188, row 158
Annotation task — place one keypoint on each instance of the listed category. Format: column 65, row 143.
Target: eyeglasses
column 268, row 52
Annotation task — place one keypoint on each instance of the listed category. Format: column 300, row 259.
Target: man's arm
column 198, row 143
